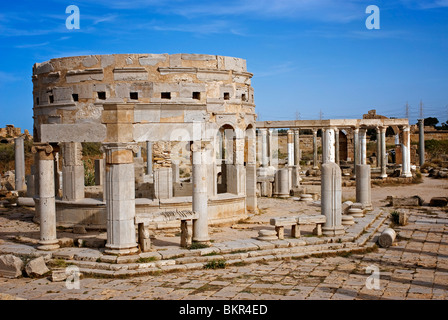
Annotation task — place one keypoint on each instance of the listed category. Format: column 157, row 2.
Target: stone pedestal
column 45, row 203
column 120, row 198
column 363, row 186
column 19, row 164
column 200, row 199
column 331, row 199
column 163, row 183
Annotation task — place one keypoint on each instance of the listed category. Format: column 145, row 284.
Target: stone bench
column 186, row 217
column 295, row 222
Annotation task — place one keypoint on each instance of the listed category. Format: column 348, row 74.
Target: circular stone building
column 190, row 109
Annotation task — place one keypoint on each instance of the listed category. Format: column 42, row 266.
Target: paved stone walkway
column 415, row 268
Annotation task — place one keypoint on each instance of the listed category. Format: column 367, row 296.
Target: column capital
column 120, row 152
column 44, row 150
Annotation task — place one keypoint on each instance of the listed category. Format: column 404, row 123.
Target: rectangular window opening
column 75, row 97
column 101, row 95
column 243, row 97
column 37, row 101
column 51, row 98
column 197, row 95
column 133, row 95
column 165, row 95
column 226, row 96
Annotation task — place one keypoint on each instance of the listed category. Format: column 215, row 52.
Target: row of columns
column 359, row 142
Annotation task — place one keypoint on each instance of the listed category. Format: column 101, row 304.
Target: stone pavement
column 415, row 268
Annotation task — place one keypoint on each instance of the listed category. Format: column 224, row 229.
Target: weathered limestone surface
column 331, row 201
column 10, row 266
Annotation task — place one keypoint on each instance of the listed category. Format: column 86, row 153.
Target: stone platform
column 93, row 262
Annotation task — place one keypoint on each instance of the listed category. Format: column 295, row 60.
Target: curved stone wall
column 177, row 88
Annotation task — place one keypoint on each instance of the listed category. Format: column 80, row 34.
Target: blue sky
column 307, row 56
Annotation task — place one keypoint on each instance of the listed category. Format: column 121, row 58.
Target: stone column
column 406, row 152
column 120, row 198
column 378, row 147
column 100, row 172
column 270, row 147
column 200, row 199
column 363, row 146
column 251, row 172
column 19, row 164
column 328, row 145
column 315, row 165
column 297, row 147
column 264, row 147
column 355, row 148
column 57, row 176
column 336, row 146
column 175, row 171
column 331, row 199
column 383, row 155
column 273, row 146
column 72, row 171
column 149, row 158
column 421, row 141
column 363, row 187
column 45, row 203
column 290, row 145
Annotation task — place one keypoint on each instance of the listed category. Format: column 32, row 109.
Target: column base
column 203, row 241
column 406, row 175
column 333, row 231
column 113, row 250
column 48, row 245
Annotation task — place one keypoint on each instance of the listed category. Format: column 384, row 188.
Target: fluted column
column 120, row 198
column 328, row 145
column 264, row 147
column 362, row 146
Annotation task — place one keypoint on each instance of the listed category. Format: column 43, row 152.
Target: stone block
column 405, row 201
column 10, row 266
column 438, row 202
column 36, row 267
column 58, row 275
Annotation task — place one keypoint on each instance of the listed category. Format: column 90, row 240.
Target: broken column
column 421, row 141
column 406, row 152
column 331, row 199
column 19, row 163
column 200, row 198
column 363, row 187
column 72, row 171
column 281, row 183
column 45, row 203
column 315, row 164
column 290, row 146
